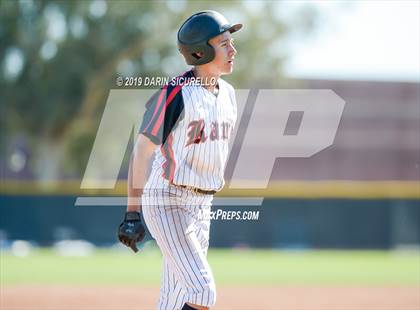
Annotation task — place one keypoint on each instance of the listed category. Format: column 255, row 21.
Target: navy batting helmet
column 197, row 30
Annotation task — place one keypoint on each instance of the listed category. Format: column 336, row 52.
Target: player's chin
column 228, row 69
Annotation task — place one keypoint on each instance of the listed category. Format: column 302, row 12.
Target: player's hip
column 167, row 191
column 167, row 210
column 194, row 177
column 175, row 196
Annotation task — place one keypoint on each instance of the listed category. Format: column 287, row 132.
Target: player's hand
column 131, row 230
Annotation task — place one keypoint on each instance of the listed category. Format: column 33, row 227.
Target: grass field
column 231, row 267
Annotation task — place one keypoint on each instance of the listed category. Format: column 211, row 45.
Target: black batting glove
column 131, row 230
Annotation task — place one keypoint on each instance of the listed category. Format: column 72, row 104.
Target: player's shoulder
column 180, row 81
column 172, row 88
column 170, row 92
column 174, row 83
column 226, row 84
column 228, row 87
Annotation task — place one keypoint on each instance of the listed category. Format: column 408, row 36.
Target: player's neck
column 210, row 79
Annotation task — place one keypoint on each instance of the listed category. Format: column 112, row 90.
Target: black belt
column 197, row 190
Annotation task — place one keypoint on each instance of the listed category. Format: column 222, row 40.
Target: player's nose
column 232, row 51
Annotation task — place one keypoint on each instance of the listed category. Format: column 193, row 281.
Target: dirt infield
column 264, row 298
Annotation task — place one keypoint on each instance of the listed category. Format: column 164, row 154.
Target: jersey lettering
column 196, row 132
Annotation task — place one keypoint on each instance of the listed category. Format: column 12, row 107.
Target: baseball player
column 185, row 129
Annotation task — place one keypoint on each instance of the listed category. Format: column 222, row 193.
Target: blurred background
column 59, row 60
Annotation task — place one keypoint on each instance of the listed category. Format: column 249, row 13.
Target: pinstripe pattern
column 179, row 221
column 198, row 165
column 177, row 218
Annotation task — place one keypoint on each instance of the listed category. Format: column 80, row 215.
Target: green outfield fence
column 349, row 215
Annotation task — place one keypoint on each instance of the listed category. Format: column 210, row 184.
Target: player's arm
column 131, row 230
column 137, row 171
column 158, row 121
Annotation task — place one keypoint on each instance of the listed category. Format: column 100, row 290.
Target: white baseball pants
column 179, row 221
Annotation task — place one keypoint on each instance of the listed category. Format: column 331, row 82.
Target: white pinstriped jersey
column 193, row 127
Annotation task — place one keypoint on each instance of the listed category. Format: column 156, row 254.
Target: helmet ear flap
column 191, row 53
column 208, row 54
column 198, row 55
